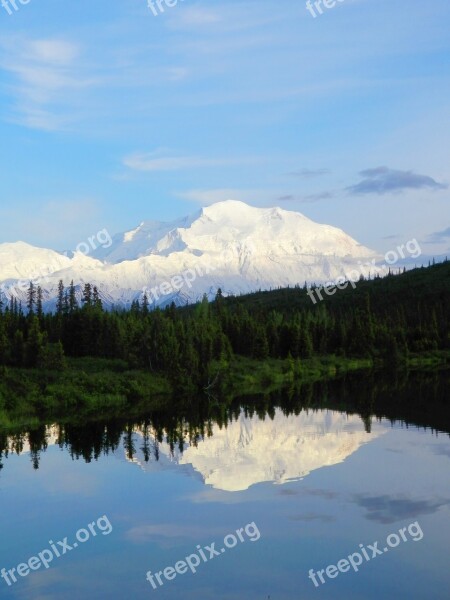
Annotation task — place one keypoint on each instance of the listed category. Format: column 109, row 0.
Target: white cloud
column 254, row 196
column 195, row 16
column 206, row 197
column 144, row 162
column 224, row 18
column 141, row 161
column 52, row 51
column 45, row 77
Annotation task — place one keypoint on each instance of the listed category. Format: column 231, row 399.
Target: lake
column 338, row 490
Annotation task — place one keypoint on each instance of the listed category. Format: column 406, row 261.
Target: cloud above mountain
column 306, row 197
column 383, row 180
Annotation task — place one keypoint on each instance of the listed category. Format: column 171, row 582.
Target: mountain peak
column 228, row 208
column 231, row 245
column 228, row 204
column 237, row 208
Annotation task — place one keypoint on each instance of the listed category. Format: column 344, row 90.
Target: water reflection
column 278, row 437
column 250, row 450
column 171, row 480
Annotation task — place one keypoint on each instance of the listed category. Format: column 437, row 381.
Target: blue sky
column 110, row 115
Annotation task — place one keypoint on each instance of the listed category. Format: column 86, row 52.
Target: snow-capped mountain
column 230, row 245
column 20, row 260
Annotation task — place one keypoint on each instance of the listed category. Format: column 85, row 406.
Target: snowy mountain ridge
column 230, row 245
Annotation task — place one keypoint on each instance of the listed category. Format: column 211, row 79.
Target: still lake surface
column 317, row 472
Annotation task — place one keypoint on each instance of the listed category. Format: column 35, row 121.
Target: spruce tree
column 73, row 304
column 87, row 295
column 39, row 310
column 60, row 298
column 31, row 298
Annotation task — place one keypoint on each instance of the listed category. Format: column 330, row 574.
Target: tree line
column 387, row 319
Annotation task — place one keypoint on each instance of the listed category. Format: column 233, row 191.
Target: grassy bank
column 87, row 386
column 99, row 387
column 247, row 376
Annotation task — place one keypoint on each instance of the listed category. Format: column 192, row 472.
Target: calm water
column 312, row 475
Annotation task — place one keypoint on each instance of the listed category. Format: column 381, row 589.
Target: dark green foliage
column 51, row 357
column 386, row 319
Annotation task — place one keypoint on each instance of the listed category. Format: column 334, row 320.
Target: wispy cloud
column 312, row 516
column 206, row 197
column 166, row 531
column 438, row 237
column 221, row 19
column 319, row 493
column 153, row 162
column 51, row 51
column 257, row 197
column 194, row 17
column 306, row 198
column 144, row 162
column 44, row 76
column 382, row 180
column 309, row 173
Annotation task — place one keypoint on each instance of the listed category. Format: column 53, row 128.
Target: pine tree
column 31, row 298
column 145, row 304
column 66, row 304
column 34, row 343
column 39, row 310
column 73, row 304
column 87, row 295
column 135, row 307
column 96, row 300
column 60, row 299
column 261, row 345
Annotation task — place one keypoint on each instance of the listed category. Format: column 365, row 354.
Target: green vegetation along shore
column 89, row 388
column 86, row 359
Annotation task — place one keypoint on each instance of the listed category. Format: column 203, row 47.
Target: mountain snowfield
column 230, row 245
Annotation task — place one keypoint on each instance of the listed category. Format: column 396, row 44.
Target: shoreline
column 93, row 388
